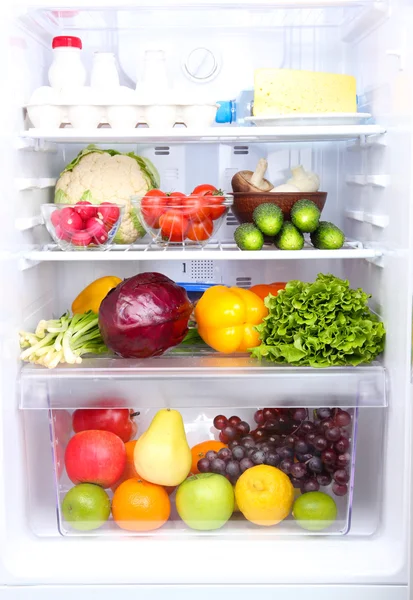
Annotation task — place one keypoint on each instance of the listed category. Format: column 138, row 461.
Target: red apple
column 95, row 456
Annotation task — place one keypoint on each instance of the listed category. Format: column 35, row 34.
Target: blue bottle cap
column 224, row 112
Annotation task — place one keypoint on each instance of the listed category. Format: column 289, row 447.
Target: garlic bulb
column 285, row 187
column 305, row 181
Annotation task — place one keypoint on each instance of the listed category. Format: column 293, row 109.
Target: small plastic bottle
column 67, row 71
column 155, row 78
column 226, row 112
column 243, row 107
column 105, row 74
column 235, row 111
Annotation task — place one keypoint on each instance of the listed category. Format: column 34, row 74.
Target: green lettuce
column 320, row 324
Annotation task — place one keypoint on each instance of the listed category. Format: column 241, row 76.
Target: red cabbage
column 144, row 316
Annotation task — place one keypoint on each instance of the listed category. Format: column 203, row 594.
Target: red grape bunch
column 313, row 453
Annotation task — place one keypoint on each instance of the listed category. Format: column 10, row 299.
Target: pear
column 162, row 454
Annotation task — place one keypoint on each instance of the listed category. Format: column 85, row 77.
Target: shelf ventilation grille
column 243, row 282
column 241, row 150
column 230, row 220
column 202, row 270
column 162, row 150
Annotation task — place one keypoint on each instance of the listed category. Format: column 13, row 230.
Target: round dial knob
column 201, row 64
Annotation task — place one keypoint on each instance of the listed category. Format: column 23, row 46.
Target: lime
column 315, row 511
column 86, row 506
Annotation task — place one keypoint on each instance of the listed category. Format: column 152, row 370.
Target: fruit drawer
column 288, row 455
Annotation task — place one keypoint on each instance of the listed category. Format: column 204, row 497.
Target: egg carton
column 122, row 116
column 120, row 108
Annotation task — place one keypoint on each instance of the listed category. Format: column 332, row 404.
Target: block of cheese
column 286, row 91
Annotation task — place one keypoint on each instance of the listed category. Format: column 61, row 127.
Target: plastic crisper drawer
column 199, row 387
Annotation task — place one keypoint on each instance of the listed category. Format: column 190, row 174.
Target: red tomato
column 196, row 208
column 174, row 225
column 205, row 188
column 176, row 199
column 153, row 207
column 215, row 198
column 199, row 232
column 217, row 210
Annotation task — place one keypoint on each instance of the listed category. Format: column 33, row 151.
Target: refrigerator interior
column 369, row 195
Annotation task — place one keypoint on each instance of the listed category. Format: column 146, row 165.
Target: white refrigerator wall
column 376, row 551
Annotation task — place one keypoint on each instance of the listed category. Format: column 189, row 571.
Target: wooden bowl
column 245, row 202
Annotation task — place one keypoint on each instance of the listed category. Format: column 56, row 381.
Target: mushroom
column 247, row 181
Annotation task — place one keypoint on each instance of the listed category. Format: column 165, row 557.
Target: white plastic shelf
column 212, row 135
column 212, row 251
column 173, row 380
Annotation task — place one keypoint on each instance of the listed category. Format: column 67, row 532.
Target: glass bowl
column 82, row 226
column 180, row 220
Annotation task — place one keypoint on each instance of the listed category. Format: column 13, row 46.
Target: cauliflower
column 99, row 176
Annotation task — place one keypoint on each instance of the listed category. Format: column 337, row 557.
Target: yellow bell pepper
column 226, row 318
column 91, row 297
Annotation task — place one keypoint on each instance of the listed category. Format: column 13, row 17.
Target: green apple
column 205, row 501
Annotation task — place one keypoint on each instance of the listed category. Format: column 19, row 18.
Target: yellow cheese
column 286, row 91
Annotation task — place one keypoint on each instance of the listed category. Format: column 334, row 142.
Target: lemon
column 264, row 495
column 315, row 511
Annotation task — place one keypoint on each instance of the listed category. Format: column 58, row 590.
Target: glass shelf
column 211, row 135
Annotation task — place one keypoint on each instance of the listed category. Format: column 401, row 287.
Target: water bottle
column 235, row 111
column 243, row 107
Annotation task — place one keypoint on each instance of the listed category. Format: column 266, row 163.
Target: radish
column 81, row 238
column 96, row 228
column 85, row 209
column 109, row 213
column 61, row 234
column 70, row 221
column 102, row 237
column 55, row 217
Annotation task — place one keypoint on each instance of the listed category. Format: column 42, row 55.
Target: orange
column 201, row 449
column 138, row 505
column 264, row 495
column 130, row 470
